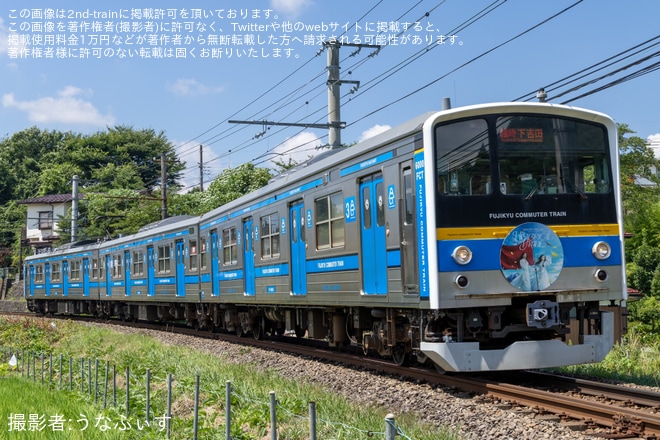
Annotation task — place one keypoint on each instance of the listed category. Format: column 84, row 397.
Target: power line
column 419, row 89
column 592, row 69
column 634, row 75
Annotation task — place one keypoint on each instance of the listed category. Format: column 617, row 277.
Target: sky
column 187, row 68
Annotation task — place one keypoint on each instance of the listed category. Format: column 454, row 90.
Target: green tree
column 121, row 163
column 233, row 183
column 646, row 314
column 636, row 160
column 21, row 161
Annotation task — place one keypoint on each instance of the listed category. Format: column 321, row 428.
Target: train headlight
column 462, row 255
column 462, row 281
column 601, row 250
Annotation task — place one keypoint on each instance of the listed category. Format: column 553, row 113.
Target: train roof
column 165, row 222
column 324, row 161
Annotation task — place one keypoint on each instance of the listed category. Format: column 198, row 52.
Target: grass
column 29, row 413
column 250, row 411
column 635, row 360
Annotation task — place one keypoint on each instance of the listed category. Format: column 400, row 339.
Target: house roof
column 49, row 199
column 643, row 181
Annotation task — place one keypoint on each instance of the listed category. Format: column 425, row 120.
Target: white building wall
column 32, row 232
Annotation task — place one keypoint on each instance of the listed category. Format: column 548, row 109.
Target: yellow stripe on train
column 481, row 233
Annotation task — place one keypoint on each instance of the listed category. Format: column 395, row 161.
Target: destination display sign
column 521, row 135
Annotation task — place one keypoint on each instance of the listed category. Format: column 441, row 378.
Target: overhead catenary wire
column 383, row 76
column 596, row 67
column 419, row 89
column 464, row 25
column 407, row 62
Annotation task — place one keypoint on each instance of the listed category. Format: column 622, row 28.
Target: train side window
column 229, row 246
column 164, row 259
column 366, row 202
column 95, row 269
column 408, row 202
column 270, row 236
column 138, row 263
column 329, row 214
column 56, row 274
column 74, row 273
column 203, row 253
column 192, row 254
column 39, row 274
column 116, row 266
column 380, row 204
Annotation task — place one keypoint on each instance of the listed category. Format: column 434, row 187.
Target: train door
column 108, row 275
column 407, row 231
column 180, row 264
column 151, row 272
column 65, row 278
column 47, row 278
column 215, row 264
column 248, row 257
column 373, row 234
column 85, row 275
column 298, row 249
column 31, row 274
column 127, row 273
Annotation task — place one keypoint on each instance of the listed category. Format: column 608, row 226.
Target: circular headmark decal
column 531, row 257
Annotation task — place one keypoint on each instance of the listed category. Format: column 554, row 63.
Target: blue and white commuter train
column 479, row 238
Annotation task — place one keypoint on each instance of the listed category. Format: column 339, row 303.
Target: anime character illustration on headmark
column 531, row 257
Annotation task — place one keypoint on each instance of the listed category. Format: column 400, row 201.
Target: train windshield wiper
column 575, row 188
column 531, row 193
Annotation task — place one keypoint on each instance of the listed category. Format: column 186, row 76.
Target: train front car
column 521, row 238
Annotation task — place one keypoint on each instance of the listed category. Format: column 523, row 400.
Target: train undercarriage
column 404, row 335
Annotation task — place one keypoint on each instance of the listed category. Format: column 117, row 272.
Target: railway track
column 597, row 409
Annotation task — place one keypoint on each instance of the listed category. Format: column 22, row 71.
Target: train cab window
column 229, row 246
column 463, row 158
column 548, row 155
column 329, row 214
column 39, row 274
column 138, row 263
column 164, row 259
column 56, row 274
column 203, row 253
column 75, row 270
column 117, row 266
column 270, row 236
column 192, row 255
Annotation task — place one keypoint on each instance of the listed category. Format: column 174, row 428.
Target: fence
column 83, row 374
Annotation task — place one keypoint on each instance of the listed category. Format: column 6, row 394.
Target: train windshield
column 522, row 155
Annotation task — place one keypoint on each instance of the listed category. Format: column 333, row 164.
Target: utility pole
column 334, row 124
column 163, row 187
column 334, row 104
column 201, row 169
column 74, row 210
